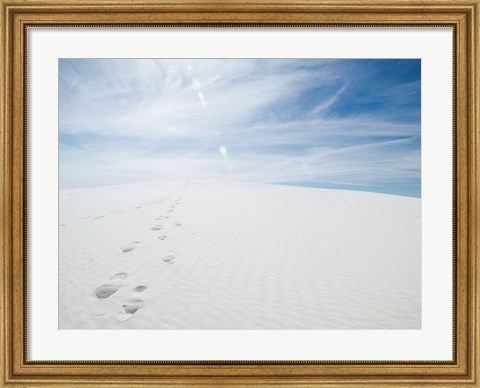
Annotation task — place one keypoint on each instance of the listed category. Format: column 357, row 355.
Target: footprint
column 86, row 218
column 130, row 307
column 130, row 247
column 170, row 211
column 169, row 258
column 97, row 218
column 140, row 288
column 161, row 217
column 178, row 223
column 156, row 227
column 120, row 275
column 162, row 237
column 106, row 291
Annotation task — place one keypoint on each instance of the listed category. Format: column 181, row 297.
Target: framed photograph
column 234, row 194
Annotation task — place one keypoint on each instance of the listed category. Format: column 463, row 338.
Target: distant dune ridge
column 233, row 255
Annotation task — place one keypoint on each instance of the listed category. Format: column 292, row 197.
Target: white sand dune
column 230, row 255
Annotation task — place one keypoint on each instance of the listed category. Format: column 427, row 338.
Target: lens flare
column 196, row 85
column 223, row 151
column 201, row 98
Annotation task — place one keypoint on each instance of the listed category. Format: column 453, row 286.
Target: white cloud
column 148, row 120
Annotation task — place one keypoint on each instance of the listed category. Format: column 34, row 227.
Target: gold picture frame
column 19, row 15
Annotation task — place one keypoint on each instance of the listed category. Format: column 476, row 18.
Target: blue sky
column 344, row 124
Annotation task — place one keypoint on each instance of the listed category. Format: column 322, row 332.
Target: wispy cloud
column 312, row 122
column 325, row 105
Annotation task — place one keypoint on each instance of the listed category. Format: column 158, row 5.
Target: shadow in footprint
column 169, row 258
column 178, row 224
column 140, row 288
column 156, row 227
column 130, row 307
column 161, row 217
column 162, row 237
column 97, row 218
column 106, row 291
column 120, row 275
column 130, row 247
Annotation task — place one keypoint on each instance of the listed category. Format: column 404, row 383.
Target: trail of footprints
column 130, row 305
column 169, row 258
column 133, row 245
column 133, row 304
column 117, row 211
column 139, row 206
